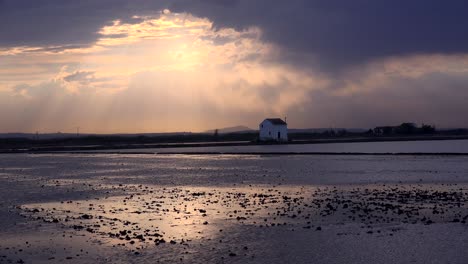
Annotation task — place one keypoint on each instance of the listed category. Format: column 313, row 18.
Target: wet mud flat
column 157, row 219
column 90, row 220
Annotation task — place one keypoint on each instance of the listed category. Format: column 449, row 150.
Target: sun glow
column 175, row 72
column 172, row 67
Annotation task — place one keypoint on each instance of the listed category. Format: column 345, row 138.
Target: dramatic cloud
column 328, row 32
column 61, row 22
column 164, row 73
column 337, row 33
column 389, row 97
column 180, row 65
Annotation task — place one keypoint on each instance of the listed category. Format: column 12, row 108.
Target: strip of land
column 48, row 147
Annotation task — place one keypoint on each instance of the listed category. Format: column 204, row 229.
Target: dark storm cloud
column 341, row 33
column 333, row 33
column 434, row 98
column 327, row 35
column 64, row 22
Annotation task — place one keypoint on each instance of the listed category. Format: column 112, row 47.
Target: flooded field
column 105, row 208
column 428, row 146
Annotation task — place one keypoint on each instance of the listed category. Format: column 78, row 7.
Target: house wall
column 268, row 131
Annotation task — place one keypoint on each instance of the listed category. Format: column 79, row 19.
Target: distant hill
column 235, row 129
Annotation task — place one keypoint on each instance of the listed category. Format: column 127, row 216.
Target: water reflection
column 211, row 208
column 428, row 146
column 153, row 215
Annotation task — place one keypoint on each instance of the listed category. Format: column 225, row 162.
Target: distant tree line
column 117, row 140
column 404, row 129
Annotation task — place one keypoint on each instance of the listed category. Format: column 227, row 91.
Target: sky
column 142, row 66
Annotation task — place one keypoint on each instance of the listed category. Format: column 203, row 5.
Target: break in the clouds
column 144, row 66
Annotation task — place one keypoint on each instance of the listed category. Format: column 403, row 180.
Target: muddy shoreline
column 104, row 208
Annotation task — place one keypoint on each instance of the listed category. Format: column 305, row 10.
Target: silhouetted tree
column 328, row 133
column 387, row 130
column 406, row 128
column 427, row 129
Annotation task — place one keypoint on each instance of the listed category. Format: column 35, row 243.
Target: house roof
column 276, row 121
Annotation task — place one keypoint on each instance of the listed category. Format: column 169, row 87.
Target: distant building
column 404, row 128
column 273, row 129
column 384, row 130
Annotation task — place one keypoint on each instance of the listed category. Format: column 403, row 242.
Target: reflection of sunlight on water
column 173, row 214
column 213, row 157
column 129, row 203
column 96, row 172
column 176, row 220
column 154, row 215
column 150, row 166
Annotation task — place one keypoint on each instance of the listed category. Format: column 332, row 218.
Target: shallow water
column 107, row 208
column 429, row 146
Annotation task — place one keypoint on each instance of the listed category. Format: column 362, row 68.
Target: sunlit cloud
column 174, row 61
column 177, row 72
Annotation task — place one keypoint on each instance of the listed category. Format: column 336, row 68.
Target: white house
column 273, row 129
